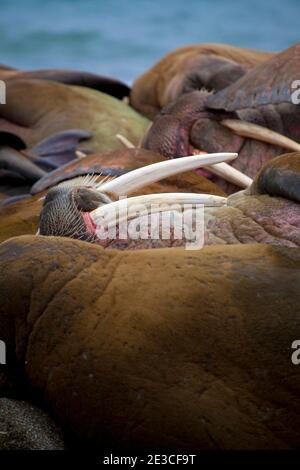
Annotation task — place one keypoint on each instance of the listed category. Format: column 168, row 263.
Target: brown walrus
column 210, row 66
column 38, row 109
column 255, row 116
column 44, row 124
column 20, row 216
column 267, row 212
column 159, row 348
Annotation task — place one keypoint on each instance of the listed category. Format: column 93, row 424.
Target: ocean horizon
column 123, row 39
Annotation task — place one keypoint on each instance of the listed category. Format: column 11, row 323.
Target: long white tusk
column 109, row 211
column 254, row 131
column 125, row 141
column 141, row 177
column 230, row 174
column 220, row 169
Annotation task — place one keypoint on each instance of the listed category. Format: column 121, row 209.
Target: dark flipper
column 279, row 177
column 58, row 149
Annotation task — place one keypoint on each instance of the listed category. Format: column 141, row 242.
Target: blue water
column 123, row 38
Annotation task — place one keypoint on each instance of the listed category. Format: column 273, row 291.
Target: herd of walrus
column 142, row 343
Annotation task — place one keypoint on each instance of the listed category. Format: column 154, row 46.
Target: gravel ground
column 26, row 427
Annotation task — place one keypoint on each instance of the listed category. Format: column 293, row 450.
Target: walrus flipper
column 58, row 149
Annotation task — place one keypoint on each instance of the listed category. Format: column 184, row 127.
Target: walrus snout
column 64, row 208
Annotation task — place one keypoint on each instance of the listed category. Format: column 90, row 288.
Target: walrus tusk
column 254, row 131
column 125, row 141
column 220, row 169
column 109, row 211
column 230, row 174
column 141, row 177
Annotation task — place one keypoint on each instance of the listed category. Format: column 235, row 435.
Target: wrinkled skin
column 187, row 126
column 262, row 96
column 200, row 359
column 268, row 212
column 212, row 66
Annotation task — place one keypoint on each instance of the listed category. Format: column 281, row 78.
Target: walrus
column 155, row 349
column 20, row 214
column 209, row 66
column 255, row 116
column 266, row 212
column 45, row 124
column 67, row 207
column 38, row 109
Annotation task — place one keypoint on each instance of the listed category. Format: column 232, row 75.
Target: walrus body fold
column 121, row 354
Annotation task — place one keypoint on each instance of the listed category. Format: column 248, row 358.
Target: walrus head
column 75, row 207
column 268, row 211
column 65, row 205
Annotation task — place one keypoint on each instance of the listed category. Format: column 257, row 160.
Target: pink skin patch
column 92, row 228
column 90, row 225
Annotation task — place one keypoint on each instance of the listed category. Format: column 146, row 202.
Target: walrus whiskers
column 66, row 203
